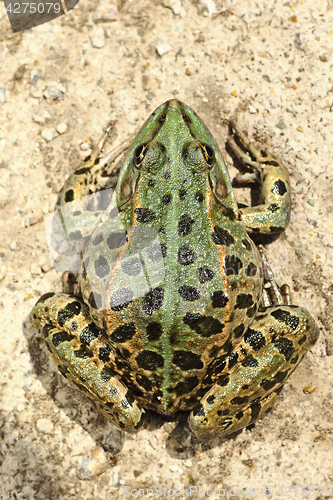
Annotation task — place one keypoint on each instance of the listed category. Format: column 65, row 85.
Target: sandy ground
column 268, row 63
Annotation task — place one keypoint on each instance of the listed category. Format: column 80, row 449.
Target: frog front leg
column 254, row 373
column 273, row 214
column 79, row 348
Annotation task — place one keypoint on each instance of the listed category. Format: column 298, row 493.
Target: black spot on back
column 247, row 244
column 106, row 374
column 273, row 208
column 199, row 196
column 132, row 267
column 205, row 326
column 185, row 225
column 205, row 274
column 186, row 360
column 116, row 240
column 167, row 199
column 251, row 269
column 186, row 256
column 154, row 331
column 186, row 386
column 182, row 194
column 144, row 215
column 189, row 293
column 144, row 382
column 123, row 333
column 149, row 360
column 153, row 300
column 238, row 331
column 102, row 268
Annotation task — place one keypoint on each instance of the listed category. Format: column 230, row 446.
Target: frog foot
column 246, row 391
column 269, row 352
column 272, row 214
column 84, row 357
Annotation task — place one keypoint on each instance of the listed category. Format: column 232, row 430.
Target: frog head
column 174, row 153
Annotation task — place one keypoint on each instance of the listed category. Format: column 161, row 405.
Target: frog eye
column 139, row 154
column 208, row 153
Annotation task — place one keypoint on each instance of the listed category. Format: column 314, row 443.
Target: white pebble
column 162, row 47
column 97, row 38
column 38, row 119
column 107, row 10
column 2, row 96
column 62, row 128
column 93, row 464
column 49, row 134
column 44, row 425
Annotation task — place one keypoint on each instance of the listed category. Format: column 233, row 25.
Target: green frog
column 171, row 311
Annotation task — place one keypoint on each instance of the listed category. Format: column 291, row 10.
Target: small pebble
column 20, row 407
column 252, row 109
column 2, row 96
column 267, row 78
column 19, row 73
column 309, row 389
column 62, row 128
column 33, row 219
column 38, row 119
column 107, row 10
column 176, row 7
column 281, row 125
column 34, row 76
column 35, row 269
column 52, row 93
column 44, row 425
column 97, row 38
column 162, row 47
column 84, row 146
column 49, row 134
column 93, row 464
column 37, row 94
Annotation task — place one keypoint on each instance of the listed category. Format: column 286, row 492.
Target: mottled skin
column 201, row 339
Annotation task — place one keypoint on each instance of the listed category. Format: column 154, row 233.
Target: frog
column 209, row 334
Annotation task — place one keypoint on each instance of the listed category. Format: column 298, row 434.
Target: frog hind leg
column 246, row 390
column 258, row 166
column 79, row 348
